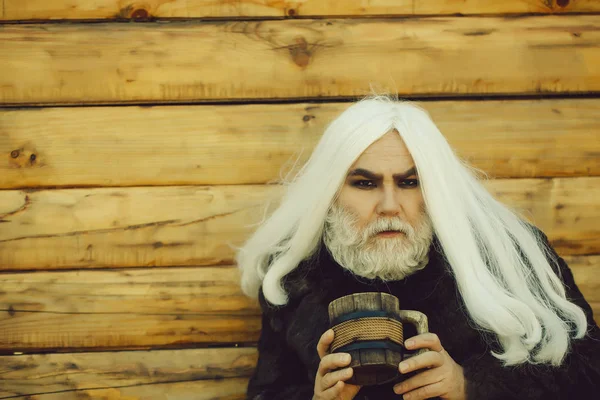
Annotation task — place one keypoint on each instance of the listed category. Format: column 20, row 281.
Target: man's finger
column 333, row 392
column 324, row 343
column 332, row 378
column 430, row 359
column 421, row 379
column 425, row 392
column 424, row 341
column 333, row 361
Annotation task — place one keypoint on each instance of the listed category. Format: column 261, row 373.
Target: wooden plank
column 194, row 61
column 35, row 332
column 183, row 145
column 586, row 271
column 145, row 308
column 176, row 226
column 227, row 389
column 78, row 373
column 596, row 310
column 114, row 10
column 142, row 308
column 566, row 209
column 127, row 226
column 107, row 375
column 142, row 291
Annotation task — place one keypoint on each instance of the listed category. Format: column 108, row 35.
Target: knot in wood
column 300, row 53
column 140, row 14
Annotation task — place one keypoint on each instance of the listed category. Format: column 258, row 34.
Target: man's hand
column 443, row 377
column 330, row 385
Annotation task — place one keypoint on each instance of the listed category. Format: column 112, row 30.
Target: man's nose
column 388, row 203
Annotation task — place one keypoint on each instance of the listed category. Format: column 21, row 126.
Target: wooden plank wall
column 138, row 141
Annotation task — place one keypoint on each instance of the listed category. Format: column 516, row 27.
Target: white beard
column 369, row 256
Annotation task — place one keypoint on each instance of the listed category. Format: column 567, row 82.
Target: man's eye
column 364, row 184
column 408, row 183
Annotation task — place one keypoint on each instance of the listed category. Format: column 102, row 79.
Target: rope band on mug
column 367, row 329
column 363, row 314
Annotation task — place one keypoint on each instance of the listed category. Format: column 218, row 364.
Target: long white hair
column 497, row 259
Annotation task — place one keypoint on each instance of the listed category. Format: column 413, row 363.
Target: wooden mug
column 369, row 327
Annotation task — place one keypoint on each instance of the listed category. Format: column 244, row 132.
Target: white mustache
column 384, row 225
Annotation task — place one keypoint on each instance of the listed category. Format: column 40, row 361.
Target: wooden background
column 138, row 141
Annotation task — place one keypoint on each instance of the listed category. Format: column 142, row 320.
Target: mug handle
column 419, row 320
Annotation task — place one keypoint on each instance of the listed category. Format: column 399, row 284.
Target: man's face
column 383, row 183
column 378, row 227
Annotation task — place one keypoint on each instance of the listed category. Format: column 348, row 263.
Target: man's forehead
column 391, row 142
column 388, row 155
column 383, row 163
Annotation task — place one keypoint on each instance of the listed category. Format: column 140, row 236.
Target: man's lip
column 390, row 233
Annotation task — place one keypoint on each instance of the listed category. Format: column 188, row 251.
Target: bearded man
column 384, row 205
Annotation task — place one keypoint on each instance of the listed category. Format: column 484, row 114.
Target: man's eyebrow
column 371, row 175
column 410, row 172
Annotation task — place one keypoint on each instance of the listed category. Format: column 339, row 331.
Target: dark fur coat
column 288, row 359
